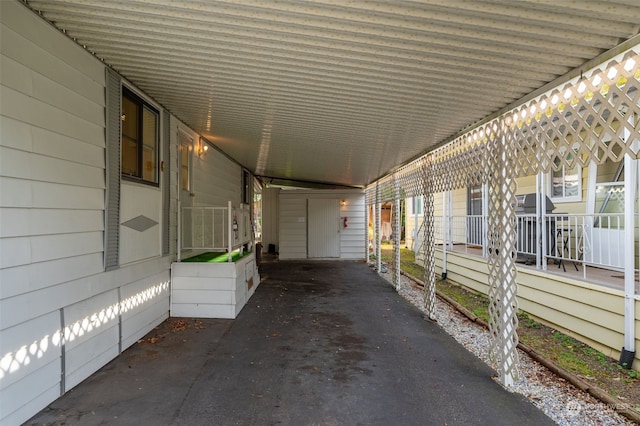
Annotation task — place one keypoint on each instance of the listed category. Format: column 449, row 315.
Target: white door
column 323, row 228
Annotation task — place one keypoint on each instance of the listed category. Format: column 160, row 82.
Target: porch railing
column 567, row 240
column 208, row 228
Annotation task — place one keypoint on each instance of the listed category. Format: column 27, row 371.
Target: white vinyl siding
column 270, row 231
column 91, row 336
column 293, row 227
column 352, row 238
column 217, row 180
column 140, row 200
column 52, row 205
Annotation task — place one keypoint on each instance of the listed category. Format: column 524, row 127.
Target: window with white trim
column 565, row 183
column 185, row 147
column 140, row 123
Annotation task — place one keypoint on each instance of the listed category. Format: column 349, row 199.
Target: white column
column 416, row 247
column 630, row 180
column 396, row 234
column 378, row 233
column 445, row 235
column 366, row 232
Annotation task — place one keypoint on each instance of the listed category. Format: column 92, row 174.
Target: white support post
column 378, row 235
column 415, row 225
column 366, row 232
column 485, row 216
column 450, row 237
column 396, row 234
column 445, row 235
column 538, row 222
column 502, row 223
column 542, row 233
column 230, row 230
column 630, row 187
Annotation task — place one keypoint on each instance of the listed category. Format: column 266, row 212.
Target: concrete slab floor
column 320, row 343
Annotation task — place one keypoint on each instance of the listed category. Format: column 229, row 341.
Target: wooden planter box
column 212, row 290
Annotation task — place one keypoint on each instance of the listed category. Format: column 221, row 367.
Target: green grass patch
column 216, row 257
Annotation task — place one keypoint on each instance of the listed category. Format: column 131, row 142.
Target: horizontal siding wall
column 352, row 238
column 51, row 201
column 591, row 313
column 292, row 225
column 270, row 231
column 293, row 222
column 217, row 180
column 54, row 293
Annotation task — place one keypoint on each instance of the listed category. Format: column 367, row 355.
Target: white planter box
column 212, row 290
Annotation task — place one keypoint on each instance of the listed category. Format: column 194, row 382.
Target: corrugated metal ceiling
column 340, row 91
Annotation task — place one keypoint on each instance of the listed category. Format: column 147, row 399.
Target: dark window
column 246, row 187
column 139, row 139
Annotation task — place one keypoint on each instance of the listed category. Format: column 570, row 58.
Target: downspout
column 628, row 352
column 542, row 229
column 450, row 239
column 416, row 247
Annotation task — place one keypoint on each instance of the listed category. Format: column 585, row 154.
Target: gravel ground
column 558, row 399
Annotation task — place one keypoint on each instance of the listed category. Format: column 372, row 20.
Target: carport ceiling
column 340, row 91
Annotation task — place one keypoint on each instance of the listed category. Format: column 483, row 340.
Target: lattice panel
column 501, row 248
column 411, row 179
column 591, row 118
column 594, row 118
column 397, row 214
column 429, row 243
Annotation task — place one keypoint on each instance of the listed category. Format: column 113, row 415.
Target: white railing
column 207, row 228
column 465, row 232
column 564, row 239
column 595, row 239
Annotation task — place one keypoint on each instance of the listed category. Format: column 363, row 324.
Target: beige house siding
column 591, row 313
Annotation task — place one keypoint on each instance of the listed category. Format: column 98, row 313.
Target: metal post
column 378, row 234
column 230, row 229
column 450, row 219
column 416, row 247
column 485, row 215
column 539, row 219
column 366, row 232
column 630, row 178
column 444, row 234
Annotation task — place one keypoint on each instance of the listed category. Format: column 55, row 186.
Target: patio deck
column 595, row 275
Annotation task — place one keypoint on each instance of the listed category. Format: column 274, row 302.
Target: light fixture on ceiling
column 203, row 148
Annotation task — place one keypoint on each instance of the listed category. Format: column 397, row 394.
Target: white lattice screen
column 592, row 118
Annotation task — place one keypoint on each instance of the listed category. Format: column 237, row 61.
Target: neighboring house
column 88, row 232
column 575, row 196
